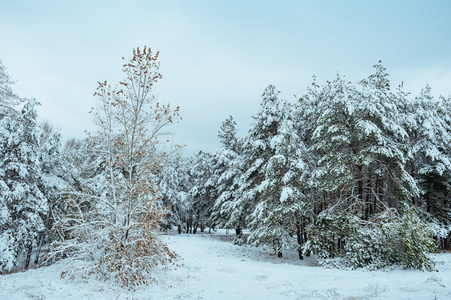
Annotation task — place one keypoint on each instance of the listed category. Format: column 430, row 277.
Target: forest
column 356, row 174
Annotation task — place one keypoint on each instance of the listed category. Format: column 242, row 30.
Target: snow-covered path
column 213, row 268
column 219, row 270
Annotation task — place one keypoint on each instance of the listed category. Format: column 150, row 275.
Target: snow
column 214, row 268
column 287, row 192
column 54, row 181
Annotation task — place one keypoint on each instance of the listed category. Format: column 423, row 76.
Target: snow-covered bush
column 409, row 240
column 327, row 235
column 125, row 254
column 384, row 241
column 365, row 248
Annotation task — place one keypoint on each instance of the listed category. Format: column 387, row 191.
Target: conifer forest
column 350, row 177
column 218, row 150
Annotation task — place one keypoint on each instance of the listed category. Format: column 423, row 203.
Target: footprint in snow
column 261, row 277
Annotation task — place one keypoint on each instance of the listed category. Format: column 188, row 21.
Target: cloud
column 216, row 57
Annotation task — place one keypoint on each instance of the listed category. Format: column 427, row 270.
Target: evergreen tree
column 203, row 191
column 272, row 185
column 363, row 146
column 174, row 186
column 51, row 180
column 8, row 99
column 21, row 201
column 227, row 135
column 430, row 137
column 225, row 213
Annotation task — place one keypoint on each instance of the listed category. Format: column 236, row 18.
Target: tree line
column 358, row 174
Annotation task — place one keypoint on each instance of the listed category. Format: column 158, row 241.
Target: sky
column 217, row 57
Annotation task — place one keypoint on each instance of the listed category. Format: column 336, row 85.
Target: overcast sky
column 217, row 56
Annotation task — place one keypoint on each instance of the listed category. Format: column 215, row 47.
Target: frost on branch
column 112, row 219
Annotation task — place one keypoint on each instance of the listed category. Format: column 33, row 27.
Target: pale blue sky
column 217, row 56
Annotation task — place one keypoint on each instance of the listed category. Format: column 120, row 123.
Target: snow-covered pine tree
column 307, row 113
column 332, row 139
column 21, row 202
column 363, row 149
column 174, row 186
column 51, row 181
column 385, row 149
column 203, row 191
column 225, row 213
column 430, row 137
column 271, row 188
column 227, row 135
column 363, row 146
column 8, row 99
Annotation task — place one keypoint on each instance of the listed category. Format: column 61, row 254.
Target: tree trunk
column 380, row 194
column 298, row 234
column 277, row 248
column 412, row 173
column 189, row 224
column 367, row 199
column 304, row 233
column 332, row 247
column 376, row 194
column 360, row 186
column 41, row 240
column 196, row 222
column 28, row 258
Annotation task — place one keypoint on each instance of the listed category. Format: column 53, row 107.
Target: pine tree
column 8, row 99
column 225, row 213
column 203, row 191
column 386, row 150
column 227, row 135
column 52, row 179
column 21, row 202
column 175, row 185
column 430, row 137
column 363, row 146
column 271, row 187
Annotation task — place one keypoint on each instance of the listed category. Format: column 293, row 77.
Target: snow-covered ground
column 213, row 268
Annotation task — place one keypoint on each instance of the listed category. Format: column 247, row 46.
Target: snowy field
column 213, row 268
